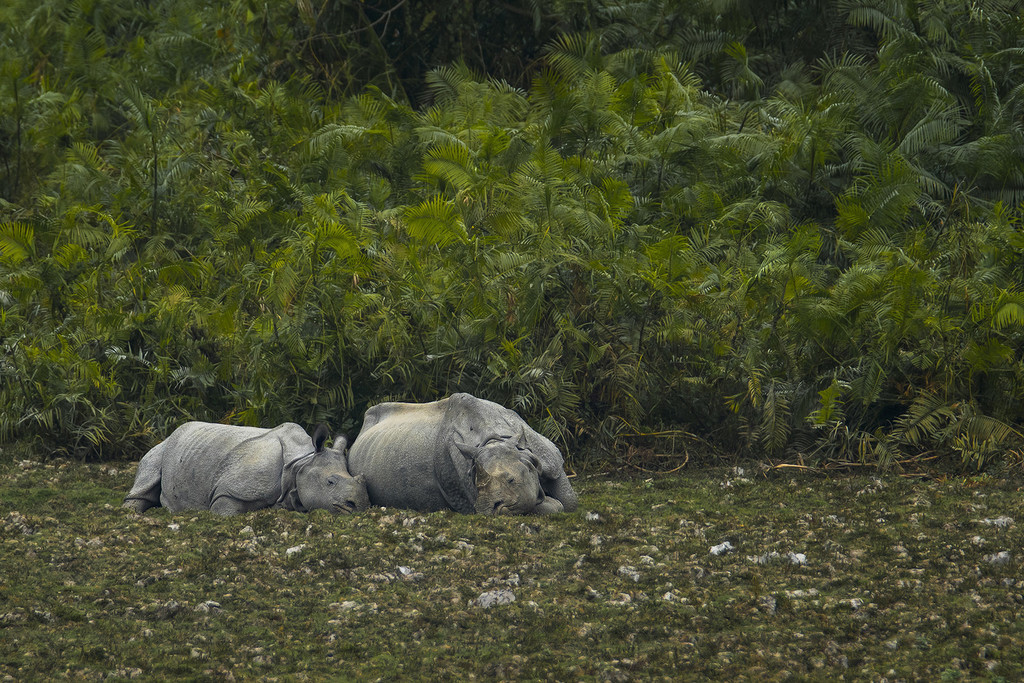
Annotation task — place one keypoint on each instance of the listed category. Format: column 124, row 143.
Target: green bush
column 683, row 225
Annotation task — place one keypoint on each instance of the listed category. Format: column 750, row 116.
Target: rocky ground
column 715, row 573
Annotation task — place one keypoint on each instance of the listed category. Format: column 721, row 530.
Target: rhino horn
column 521, row 440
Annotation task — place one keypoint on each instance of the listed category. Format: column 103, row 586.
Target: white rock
column 763, row 558
column 1002, row 521
column 295, row 549
column 491, row 598
column 629, row 572
column 246, row 531
column 208, row 606
column 592, row 517
column 721, row 548
column 797, row 558
column 173, row 527
column 1002, row 557
column 621, row 599
column 346, row 606
column 410, row 574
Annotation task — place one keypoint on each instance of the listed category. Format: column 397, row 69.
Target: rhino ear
column 479, row 475
column 320, row 436
column 468, row 451
column 289, row 490
column 533, row 461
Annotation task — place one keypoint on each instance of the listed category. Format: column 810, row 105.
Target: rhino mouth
column 346, row 508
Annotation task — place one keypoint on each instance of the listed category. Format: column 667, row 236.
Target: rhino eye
column 512, row 480
column 332, row 481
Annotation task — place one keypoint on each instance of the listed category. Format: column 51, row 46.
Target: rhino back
column 192, row 457
column 251, row 474
column 396, row 455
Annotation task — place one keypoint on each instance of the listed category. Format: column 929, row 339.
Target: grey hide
column 230, row 470
column 449, row 454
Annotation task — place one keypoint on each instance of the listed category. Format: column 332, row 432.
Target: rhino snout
column 517, row 503
column 346, row 508
column 350, row 496
column 353, row 503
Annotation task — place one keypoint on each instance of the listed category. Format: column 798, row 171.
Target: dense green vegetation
column 790, row 228
column 849, row 578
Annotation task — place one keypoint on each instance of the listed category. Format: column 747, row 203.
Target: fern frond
column 435, row 221
column 1009, row 311
column 938, row 126
column 572, row 55
column 925, row 420
column 775, row 419
column 445, row 83
column 17, row 241
column 451, row 162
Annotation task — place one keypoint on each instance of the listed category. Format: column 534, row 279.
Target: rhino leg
column 145, row 491
column 227, row 506
column 561, row 490
column 549, row 507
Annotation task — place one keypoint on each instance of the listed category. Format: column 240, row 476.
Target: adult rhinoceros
column 461, row 453
column 231, row 470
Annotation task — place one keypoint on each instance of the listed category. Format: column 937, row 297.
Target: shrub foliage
column 792, row 233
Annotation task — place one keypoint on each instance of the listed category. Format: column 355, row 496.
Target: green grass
column 896, row 584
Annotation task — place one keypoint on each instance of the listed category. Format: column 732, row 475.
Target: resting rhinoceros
column 230, row 470
column 461, row 453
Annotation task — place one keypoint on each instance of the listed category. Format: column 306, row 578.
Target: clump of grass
column 898, row 579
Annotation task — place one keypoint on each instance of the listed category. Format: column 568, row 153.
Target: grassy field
column 849, row 577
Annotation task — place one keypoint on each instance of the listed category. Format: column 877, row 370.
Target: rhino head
column 507, row 479
column 321, row 480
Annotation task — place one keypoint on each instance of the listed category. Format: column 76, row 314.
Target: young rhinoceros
column 231, row 470
column 460, row 453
